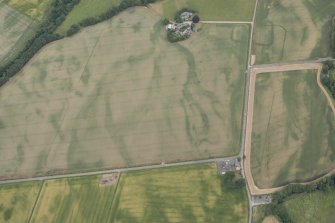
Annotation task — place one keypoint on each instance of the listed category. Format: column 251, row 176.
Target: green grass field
column 15, row 30
column 180, row 194
column 74, row 200
column 86, row 9
column 219, row 10
column 35, row 9
column 119, row 94
column 312, row 207
column 292, row 30
column 293, row 129
column 17, row 201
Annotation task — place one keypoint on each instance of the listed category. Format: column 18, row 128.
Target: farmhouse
column 186, row 16
column 185, row 28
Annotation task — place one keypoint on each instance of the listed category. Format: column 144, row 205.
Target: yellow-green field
column 289, row 30
column 179, row 195
column 15, row 29
column 228, row 10
column 119, row 94
column 86, row 9
column 293, row 130
column 74, row 200
column 35, row 9
column 17, row 201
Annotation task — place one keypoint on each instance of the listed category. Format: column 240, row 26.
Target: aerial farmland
column 16, row 28
column 88, row 107
column 167, row 111
column 288, row 128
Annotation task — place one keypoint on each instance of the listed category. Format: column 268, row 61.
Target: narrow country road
column 114, row 170
column 225, row 22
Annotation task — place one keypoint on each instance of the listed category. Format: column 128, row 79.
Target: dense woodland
column 46, row 33
column 277, row 208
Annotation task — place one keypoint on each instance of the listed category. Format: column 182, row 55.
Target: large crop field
column 35, row 9
column 15, row 29
column 293, row 131
column 84, row 10
column 119, row 94
column 17, row 201
column 74, row 200
column 289, row 30
column 219, row 10
column 179, row 194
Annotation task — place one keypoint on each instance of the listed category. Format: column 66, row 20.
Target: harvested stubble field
column 35, row 9
column 118, row 94
column 73, row 200
column 86, row 9
column 15, row 30
column 17, row 201
column 289, row 30
column 219, row 10
column 180, row 194
column 292, row 138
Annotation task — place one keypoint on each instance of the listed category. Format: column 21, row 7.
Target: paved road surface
column 226, row 22
column 115, row 170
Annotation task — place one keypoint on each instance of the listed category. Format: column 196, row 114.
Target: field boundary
column 36, row 201
column 267, row 68
column 109, row 171
column 226, row 22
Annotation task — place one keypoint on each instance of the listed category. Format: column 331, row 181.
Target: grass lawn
column 119, row 94
column 180, row 194
column 35, row 9
column 86, row 9
column 74, row 200
column 312, row 207
column 17, row 201
column 292, row 30
column 228, row 10
column 293, row 129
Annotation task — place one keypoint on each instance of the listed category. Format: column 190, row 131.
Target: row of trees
column 328, row 76
column 46, row 33
column 233, row 180
column 277, row 208
column 332, row 39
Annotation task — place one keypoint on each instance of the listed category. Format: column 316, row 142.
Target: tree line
column 277, row 207
column 328, row 76
column 59, row 9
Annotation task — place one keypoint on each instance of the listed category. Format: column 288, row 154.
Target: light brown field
column 118, row 94
column 288, row 30
column 270, row 219
column 275, row 162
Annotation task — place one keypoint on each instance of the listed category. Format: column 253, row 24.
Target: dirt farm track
column 254, row 190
